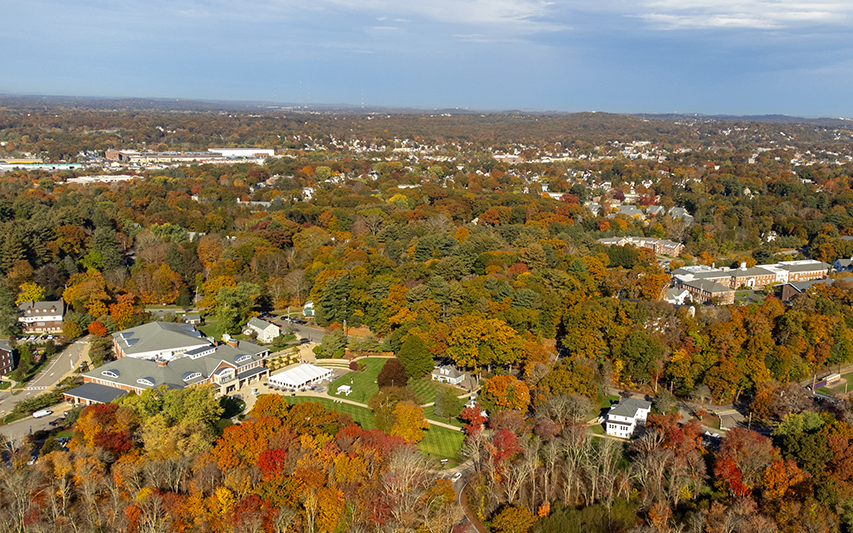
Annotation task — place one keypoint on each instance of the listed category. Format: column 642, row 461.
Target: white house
column 308, row 309
column 623, row 417
column 678, row 296
column 266, row 332
column 448, row 374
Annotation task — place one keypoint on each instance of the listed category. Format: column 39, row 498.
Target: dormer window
column 110, row 373
column 145, row 381
column 243, row 358
column 189, row 376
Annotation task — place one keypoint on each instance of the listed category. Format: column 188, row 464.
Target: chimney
column 162, row 363
column 743, row 265
column 234, row 344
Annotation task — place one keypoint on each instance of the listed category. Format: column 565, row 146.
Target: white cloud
column 757, row 14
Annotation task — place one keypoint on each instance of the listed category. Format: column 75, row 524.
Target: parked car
column 41, row 413
column 456, row 477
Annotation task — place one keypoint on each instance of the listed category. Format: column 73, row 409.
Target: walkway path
column 351, row 402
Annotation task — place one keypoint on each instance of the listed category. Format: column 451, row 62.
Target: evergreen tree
column 334, row 303
column 415, row 357
column 104, row 242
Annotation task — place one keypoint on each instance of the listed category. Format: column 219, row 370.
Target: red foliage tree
column 96, row 328
column 506, row 444
column 474, row 418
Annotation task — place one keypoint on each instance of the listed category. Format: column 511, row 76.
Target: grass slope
column 363, row 383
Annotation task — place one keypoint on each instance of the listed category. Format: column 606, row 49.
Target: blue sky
column 658, row 56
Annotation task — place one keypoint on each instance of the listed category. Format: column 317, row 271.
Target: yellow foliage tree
column 409, row 421
column 30, row 292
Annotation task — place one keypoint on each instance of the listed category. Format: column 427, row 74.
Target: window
column 110, row 373
column 189, row 376
column 243, row 358
column 145, row 381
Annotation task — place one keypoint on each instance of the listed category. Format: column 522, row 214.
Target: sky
column 744, row 57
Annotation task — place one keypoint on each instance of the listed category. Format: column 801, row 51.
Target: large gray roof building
column 227, row 366
column 158, row 340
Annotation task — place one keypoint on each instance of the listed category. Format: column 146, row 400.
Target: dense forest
column 444, row 254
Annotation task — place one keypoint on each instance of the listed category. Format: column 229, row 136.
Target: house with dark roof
column 158, row 340
column 624, row 417
column 228, row 367
column 41, row 317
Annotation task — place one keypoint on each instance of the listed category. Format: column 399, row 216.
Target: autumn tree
column 478, row 342
column 505, row 392
column 393, row 374
column 409, row 421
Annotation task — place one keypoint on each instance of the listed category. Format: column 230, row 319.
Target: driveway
column 311, row 333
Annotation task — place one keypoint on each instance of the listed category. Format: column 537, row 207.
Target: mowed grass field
column 362, row 415
column 425, row 389
column 438, row 442
column 430, row 415
column 363, row 383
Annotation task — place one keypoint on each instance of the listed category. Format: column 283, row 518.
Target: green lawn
column 212, row 329
column 430, row 416
column 363, row 383
column 604, row 403
column 439, row 442
column 442, row 443
column 362, row 415
column 425, row 389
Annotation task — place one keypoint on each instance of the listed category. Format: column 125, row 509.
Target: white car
column 456, row 477
column 41, row 413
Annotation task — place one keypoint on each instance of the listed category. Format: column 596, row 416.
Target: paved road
column 308, row 332
column 17, row 431
column 50, row 375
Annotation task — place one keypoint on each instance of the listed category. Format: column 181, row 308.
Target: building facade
column 227, row 367
column 265, row 331
column 7, row 358
column 41, row 317
column 624, row 417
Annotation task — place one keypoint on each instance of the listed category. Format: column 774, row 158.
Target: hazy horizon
column 716, row 57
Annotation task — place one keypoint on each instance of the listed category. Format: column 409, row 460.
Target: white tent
column 300, row 376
